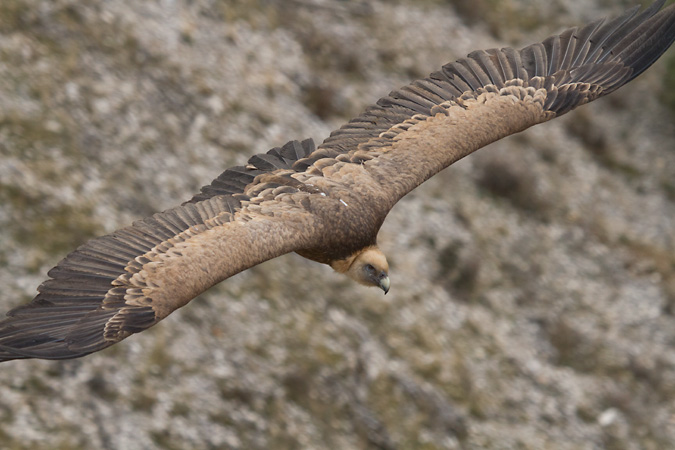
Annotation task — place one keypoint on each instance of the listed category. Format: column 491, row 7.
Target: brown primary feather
column 325, row 203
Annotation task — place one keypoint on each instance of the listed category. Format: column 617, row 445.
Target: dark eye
column 370, row 269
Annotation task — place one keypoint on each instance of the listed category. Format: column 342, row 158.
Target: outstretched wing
column 123, row 283
column 418, row 130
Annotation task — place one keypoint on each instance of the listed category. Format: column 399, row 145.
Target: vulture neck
column 343, row 265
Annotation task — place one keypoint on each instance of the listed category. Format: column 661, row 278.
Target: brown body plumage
column 327, row 203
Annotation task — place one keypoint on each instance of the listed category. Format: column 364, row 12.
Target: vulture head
column 368, row 267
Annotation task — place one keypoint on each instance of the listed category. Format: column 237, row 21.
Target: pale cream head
column 368, row 267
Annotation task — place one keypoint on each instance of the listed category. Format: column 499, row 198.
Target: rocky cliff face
column 533, row 284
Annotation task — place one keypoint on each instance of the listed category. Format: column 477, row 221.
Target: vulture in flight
column 325, row 203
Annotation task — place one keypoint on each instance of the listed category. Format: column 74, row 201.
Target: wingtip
column 640, row 48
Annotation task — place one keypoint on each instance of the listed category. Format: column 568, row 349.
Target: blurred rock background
column 533, row 284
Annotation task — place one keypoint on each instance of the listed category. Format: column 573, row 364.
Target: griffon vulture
column 325, row 203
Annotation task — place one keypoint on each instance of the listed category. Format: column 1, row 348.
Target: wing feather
column 440, row 88
column 505, row 64
column 490, row 61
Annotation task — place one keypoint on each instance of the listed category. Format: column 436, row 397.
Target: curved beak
column 384, row 284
